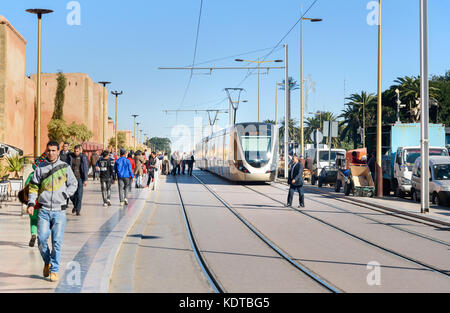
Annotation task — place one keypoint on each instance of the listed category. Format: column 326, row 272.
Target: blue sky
column 126, row 41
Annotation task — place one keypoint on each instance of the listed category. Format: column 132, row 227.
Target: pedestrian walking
column 183, row 162
column 191, row 161
column 165, row 165
column 295, row 180
column 139, row 161
column 105, row 166
column 151, row 165
column 65, row 153
column 53, row 183
column 124, row 173
column 93, row 163
column 80, row 167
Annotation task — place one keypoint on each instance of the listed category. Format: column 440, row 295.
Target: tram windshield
column 256, row 142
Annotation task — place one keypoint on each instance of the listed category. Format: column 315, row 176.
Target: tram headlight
column 243, row 169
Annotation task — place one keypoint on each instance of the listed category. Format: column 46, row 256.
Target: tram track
column 417, row 234
column 209, row 275
column 359, row 238
column 297, row 265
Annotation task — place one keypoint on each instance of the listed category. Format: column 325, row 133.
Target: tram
column 242, row 152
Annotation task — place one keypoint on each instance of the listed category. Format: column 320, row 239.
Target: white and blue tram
column 242, row 152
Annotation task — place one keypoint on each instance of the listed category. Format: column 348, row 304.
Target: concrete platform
column 90, row 244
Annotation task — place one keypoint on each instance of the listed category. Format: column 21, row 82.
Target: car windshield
column 256, row 147
column 411, row 155
column 442, row 171
column 323, row 155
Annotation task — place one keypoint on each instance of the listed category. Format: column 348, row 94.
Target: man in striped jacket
column 52, row 184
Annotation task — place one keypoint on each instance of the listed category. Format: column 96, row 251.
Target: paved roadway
column 334, row 240
column 144, row 247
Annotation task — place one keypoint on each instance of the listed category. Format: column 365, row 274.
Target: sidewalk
column 437, row 214
column 90, row 244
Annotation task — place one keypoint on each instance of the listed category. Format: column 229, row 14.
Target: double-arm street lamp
column 37, row 123
column 302, row 139
column 259, row 62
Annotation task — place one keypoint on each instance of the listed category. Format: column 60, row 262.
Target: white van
column 439, row 180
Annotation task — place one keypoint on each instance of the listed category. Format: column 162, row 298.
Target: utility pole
column 116, row 93
column 105, row 114
column 378, row 167
column 137, row 133
column 134, row 131
column 287, row 110
column 233, row 104
column 424, row 112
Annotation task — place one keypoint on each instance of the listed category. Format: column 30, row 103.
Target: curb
column 98, row 277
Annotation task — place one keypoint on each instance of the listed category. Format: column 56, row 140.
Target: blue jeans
column 138, row 181
column 78, row 196
column 53, row 222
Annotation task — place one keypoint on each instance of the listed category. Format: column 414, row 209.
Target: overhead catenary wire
column 195, row 52
column 279, row 42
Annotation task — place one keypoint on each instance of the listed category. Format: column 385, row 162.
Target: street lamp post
column 137, row 133
column 287, row 110
column 116, row 93
column 302, row 139
column 259, row 65
column 134, row 131
column 424, row 114
column 37, row 123
column 378, row 168
column 105, row 117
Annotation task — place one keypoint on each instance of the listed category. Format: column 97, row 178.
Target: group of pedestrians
column 180, row 161
column 59, row 176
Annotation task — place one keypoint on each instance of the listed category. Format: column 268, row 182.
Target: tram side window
column 226, row 146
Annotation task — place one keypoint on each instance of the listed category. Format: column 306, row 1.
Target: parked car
column 439, row 168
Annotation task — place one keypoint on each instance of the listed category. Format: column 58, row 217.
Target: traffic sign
column 313, row 136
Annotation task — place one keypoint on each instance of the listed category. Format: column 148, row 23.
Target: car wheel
column 399, row 193
column 438, row 200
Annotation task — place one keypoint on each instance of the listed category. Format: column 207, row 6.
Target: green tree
column 159, row 144
column 315, row 122
column 121, row 140
column 409, row 88
column 59, row 97
column 57, row 130
column 359, row 113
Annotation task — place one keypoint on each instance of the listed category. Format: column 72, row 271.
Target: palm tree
column 313, row 123
column 293, row 85
column 293, row 131
column 360, row 109
column 410, row 92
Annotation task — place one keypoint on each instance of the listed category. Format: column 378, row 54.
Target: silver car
column 439, row 180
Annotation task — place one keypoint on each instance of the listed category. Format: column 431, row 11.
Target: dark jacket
column 297, row 174
column 84, row 166
column 106, row 167
column 65, row 156
column 151, row 165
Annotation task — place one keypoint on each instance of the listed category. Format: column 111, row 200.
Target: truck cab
column 405, row 158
